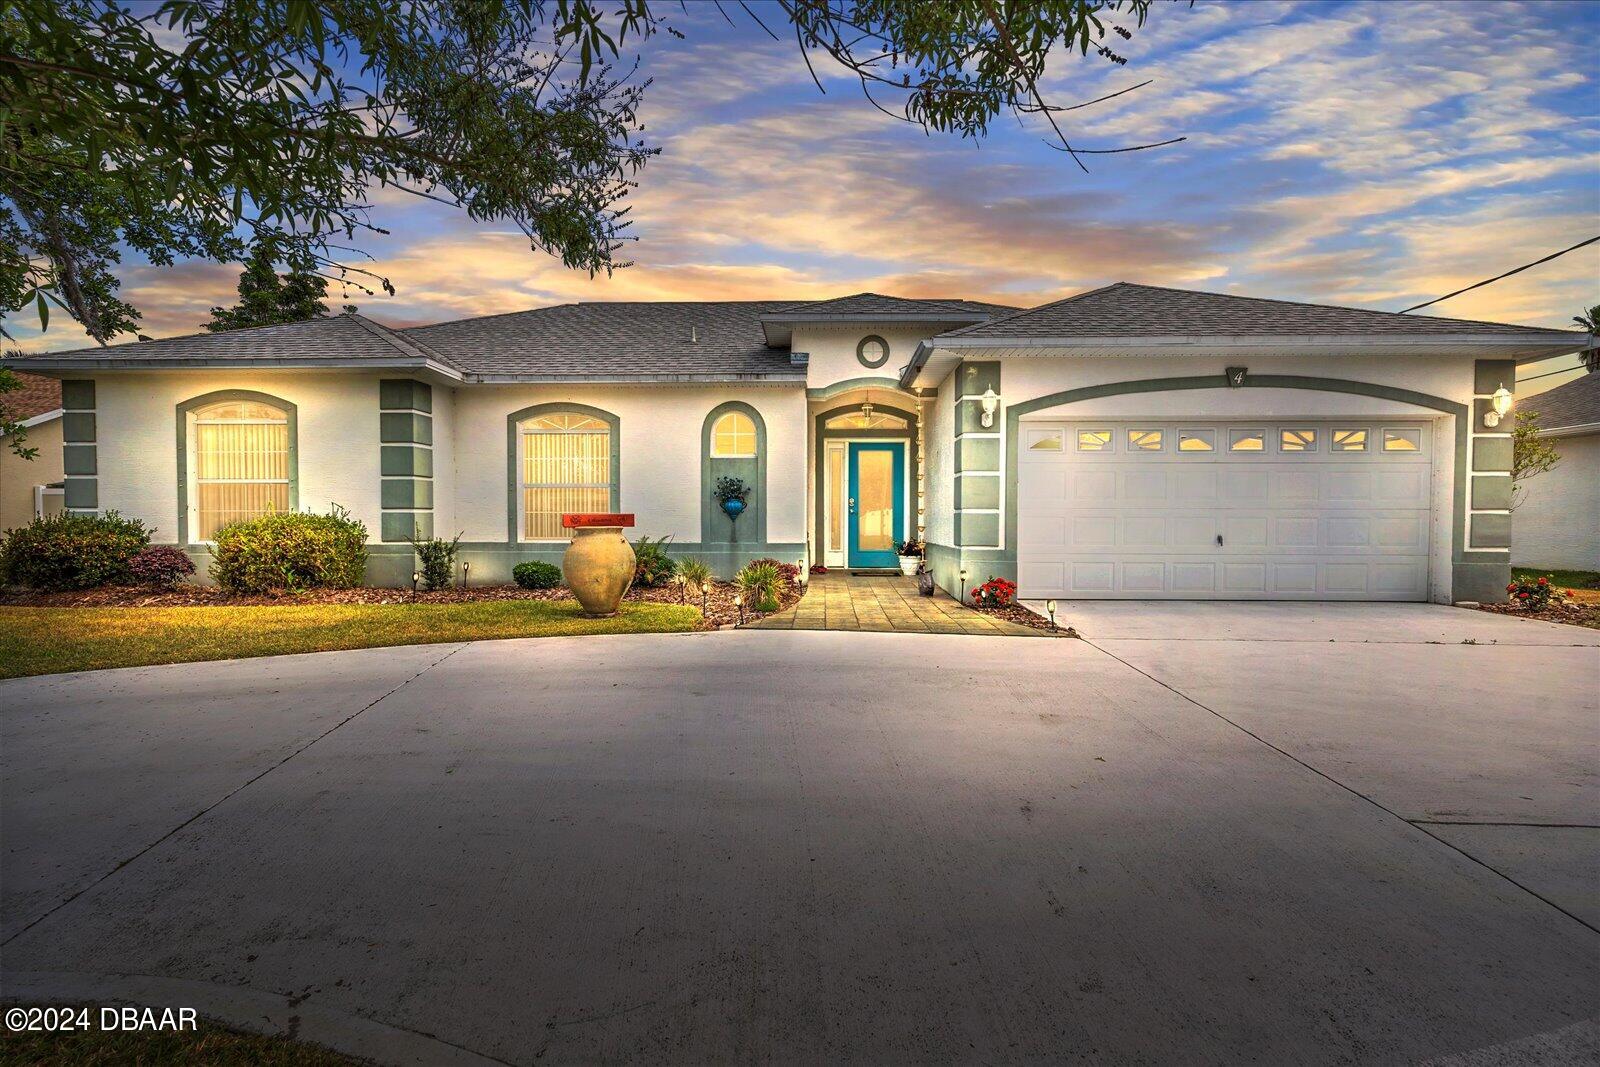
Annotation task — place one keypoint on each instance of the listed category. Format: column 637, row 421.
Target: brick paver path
column 838, row 601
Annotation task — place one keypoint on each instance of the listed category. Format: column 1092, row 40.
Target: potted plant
column 731, row 494
column 910, row 553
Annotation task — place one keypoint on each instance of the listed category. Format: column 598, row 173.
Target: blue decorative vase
column 734, row 507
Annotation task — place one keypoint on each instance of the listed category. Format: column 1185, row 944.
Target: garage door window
column 1196, row 441
column 1402, row 440
column 1144, row 440
column 1044, row 440
column 1247, row 440
column 1094, row 440
column 1349, row 440
column 1297, row 440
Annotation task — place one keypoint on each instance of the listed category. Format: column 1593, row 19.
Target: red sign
column 584, row 522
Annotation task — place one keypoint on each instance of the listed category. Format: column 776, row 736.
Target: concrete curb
column 241, row 1008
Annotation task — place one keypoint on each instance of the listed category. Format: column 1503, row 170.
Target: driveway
column 1230, row 844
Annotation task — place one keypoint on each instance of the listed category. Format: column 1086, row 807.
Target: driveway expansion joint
column 1420, row 826
column 209, row 808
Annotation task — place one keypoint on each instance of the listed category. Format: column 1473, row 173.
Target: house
column 1557, row 522
column 1132, row 441
column 31, row 487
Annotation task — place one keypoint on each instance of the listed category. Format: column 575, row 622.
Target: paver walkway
column 891, row 604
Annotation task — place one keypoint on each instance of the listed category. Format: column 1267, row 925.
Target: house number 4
column 1235, row 377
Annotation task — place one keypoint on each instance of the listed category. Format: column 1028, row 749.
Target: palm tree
column 1590, row 320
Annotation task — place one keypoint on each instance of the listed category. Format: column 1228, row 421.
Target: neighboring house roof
column 39, row 396
column 1572, row 406
column 1129, row 310
column 648, row 341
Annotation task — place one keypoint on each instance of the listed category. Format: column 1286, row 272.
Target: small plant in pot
column 732, row 495
column 910, row 553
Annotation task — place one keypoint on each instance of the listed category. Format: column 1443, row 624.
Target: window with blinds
column 240, row 466
column 566, row 468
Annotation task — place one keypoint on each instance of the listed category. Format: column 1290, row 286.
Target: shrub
column 995, row 593
column 70, row 551
column 291, row 550
column 787, row 572
column 759, row 581
column 694, row 572
column 1535, row 595
column 436, row 561
column 160, row 566
column 536, row 574
column 653, row 565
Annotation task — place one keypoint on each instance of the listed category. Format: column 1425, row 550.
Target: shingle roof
column 335, row 337
column 1129, row 310
column 877, row 304
column 616, row 340
column 1576, row 403
column 37, row 396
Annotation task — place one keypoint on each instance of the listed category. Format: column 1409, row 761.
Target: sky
column 1369, row 154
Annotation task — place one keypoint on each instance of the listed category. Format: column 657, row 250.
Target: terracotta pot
column 598, row 568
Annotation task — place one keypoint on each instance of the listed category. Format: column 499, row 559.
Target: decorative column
column 79, row 444
column 1484, row 568
column 978, row 459
column 405, row 432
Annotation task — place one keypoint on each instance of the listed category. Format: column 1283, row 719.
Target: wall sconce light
column 990, row 401
column 1500, row 406
column 1050, row 606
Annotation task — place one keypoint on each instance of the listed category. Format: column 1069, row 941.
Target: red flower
column 1511, row 587
column 1544, row 581
column 1522, row 596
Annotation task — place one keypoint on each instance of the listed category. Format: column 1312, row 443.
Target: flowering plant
column 995, row 593
column 1534, row 596
column 912, row 547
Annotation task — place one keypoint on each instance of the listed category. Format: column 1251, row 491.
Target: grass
column 1564, row 579
column 53, row 640
column 207, row 1046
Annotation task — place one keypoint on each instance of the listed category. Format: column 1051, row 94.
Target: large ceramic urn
column 598, row 564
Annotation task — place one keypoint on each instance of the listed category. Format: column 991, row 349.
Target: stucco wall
column 18, row 476
column 1557, row 519
column 939, row 447
column 137, row 439
column 660, row 446
column 832, row 351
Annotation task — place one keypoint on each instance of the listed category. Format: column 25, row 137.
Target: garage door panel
column 1298, row 525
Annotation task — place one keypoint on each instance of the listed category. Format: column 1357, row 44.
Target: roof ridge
column 1038, row 307
column 392, row 338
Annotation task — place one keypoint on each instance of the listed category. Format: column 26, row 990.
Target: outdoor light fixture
column 416, row 576
column 1050, row 606
column 1500, row 405
column 963, row 584
column 866, row 410
column 466, row 574
column 738, row 602
column 705, row 591
column 990, row 401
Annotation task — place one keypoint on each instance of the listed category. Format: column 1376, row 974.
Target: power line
column 1507, row 274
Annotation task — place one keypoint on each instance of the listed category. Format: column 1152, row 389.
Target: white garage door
column 1235, row 511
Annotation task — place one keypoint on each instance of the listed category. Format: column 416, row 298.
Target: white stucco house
column 1557, row 516
column 1129, row 442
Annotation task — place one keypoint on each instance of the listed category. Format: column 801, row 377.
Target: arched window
column 876, row 420
column 565, row 467
column 239, row 464
column 733, row 436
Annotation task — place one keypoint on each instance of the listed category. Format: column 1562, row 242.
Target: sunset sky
column 1375, row 155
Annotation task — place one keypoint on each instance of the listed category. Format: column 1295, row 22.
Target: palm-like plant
column 1590, row 320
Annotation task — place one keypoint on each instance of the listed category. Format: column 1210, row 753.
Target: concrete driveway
column 1223, row 844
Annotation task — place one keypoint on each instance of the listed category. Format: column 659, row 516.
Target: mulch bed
column 720, row 609
column 1570, row 613
column 1023, row 617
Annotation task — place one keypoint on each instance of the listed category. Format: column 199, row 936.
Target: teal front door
column 876, row 510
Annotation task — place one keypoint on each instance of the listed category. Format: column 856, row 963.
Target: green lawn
column 207, row 1046
column 52, row 640
column 1565, row 579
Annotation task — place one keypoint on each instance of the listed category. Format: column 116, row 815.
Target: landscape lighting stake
column 705, row 591
column 738, row 602
column 1050, row 606
column 466, row 576
column 416, row 576
column 964, row 585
